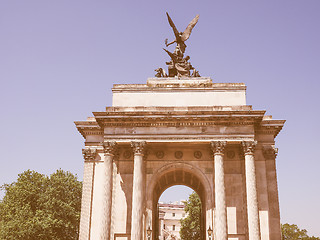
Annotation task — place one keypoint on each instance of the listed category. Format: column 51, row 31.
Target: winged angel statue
column 179, row 65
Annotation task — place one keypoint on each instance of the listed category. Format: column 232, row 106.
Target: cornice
column 179, row 139
column 88, row 128
column 186, row 109
column 270, row 126
column 177, row 118
column 172, row 84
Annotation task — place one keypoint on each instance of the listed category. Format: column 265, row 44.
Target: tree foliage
column 41, row 207
column 292, row 232
column 190, row 226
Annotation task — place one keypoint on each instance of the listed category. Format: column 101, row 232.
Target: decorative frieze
column 89, row 154
column 269, row 152
column 249, row 146
column 217, row 147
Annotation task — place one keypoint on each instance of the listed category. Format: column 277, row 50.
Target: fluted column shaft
column 220, row 225
column 106, row 201
column 251, row 186
column 138, row 191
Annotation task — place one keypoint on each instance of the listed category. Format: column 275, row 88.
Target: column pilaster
column 106, row 200
column 89, row 156
column 220, row 226
column 251, row 187
column 139, row 149
column 270, row 154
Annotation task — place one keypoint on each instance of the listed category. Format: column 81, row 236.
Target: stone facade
column 169, row 220
column 180, row 132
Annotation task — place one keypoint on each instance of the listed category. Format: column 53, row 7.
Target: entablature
column 168, row 117
column 172, row 117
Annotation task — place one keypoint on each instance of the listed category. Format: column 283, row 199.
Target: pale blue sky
column 59, row 60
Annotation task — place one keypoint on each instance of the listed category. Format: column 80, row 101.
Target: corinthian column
column 138, row 191
column 87, row 188
column 251, row 186
column 106, row 200
column 220, row 219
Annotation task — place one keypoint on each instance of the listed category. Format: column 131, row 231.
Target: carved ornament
column 110, row 147
column 160, row 154
column 127, row 154
column 197, row 154
column 139, row 147
column 270, row 152
column 249, row 146
column 217, row 147
column 89, row 154
column 231, row 154
column 178, row 154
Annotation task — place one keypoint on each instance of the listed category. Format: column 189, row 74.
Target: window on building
column 173, row 227
column 164, row 226
column 173, row 214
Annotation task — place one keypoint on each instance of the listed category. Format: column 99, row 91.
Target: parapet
column 183, row 92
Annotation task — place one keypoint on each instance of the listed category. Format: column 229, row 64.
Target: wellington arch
column 180, row 131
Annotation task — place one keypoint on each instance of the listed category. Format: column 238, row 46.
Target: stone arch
column 179, row 173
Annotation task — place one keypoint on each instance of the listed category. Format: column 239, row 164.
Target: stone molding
column 89, row 154
column 269, row 152
column 248, row 146
column 181, row 139
column 110, row 147
column 139, row 147
column 218, row 147
column 190, row 83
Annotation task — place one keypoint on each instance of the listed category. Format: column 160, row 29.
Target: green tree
column 190, row 226
column 292, row 232
column 41, row 207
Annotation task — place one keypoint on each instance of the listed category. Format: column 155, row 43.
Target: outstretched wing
column 187, row 32
column 170, row 54
column 175, row 30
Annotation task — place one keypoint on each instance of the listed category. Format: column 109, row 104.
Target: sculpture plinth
column 179, row 92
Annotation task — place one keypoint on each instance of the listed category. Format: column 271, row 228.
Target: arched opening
column 173, row 177
column 171, row 210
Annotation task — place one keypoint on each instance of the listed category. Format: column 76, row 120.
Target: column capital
column 217, row 147
column 248, row 146
column 269, row 151
column 89, row 154
column 139, row 147
column 110, row 148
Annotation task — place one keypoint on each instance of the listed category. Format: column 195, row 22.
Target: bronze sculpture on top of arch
column 179, row 65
